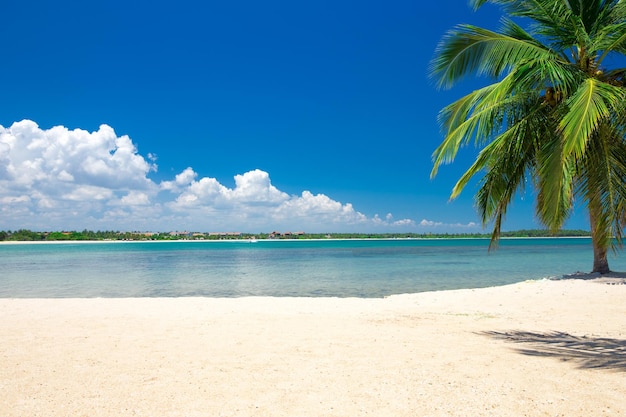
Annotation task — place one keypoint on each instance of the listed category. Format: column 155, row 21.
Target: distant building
column 224, row 234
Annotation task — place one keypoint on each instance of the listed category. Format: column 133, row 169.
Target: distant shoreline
column 248, row 241
column 88, row 235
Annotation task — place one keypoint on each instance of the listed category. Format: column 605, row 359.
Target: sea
column 368, row 268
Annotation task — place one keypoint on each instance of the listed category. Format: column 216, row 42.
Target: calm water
column 340, row 268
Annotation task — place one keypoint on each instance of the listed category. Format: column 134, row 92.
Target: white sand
column 544, row 348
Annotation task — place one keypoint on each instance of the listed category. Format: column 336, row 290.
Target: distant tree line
column 32, row 236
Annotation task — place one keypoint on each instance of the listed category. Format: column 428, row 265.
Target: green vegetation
column 30, row 236
column 553, row 116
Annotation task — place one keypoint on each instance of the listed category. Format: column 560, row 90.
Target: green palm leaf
column 592, row 104
column 470, row 49
column 553, row 113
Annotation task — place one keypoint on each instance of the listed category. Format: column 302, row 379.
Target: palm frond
column 555, row 183
column 537, row 74
column 518, row 140
column 572, row 142
column 588, row 107
column 507, row 163
column 546, row 10
column 560, row 22
column 602, row 19
column 472, row 50
column 602, row 178
column 477, row 115
column 611, row 38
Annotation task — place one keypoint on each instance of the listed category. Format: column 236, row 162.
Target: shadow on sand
column 586, row 352
column 611, row 278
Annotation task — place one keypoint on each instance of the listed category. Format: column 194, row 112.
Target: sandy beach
column 536, row 348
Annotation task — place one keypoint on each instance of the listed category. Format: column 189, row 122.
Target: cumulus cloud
column 60, row 159
column 442, row 225
column 389, row 221
column 99, row 158
column 88, row 193
column 67, row 175
column 256, row 202
column 135, row 198
column 430, row 223
column 404, row 222
column 183, row 179
column 59, row 178
column 253, row 188
column 12, row 200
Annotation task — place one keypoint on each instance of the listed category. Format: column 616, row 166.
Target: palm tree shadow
column 586, row 352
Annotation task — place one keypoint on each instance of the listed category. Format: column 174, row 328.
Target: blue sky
column 231, row 116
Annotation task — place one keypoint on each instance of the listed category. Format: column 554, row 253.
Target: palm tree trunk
column 600, row 246
column 600, row 262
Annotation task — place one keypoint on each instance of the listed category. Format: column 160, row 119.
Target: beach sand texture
column 536, row 348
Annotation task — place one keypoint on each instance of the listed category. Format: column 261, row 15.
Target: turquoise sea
column 313, row 268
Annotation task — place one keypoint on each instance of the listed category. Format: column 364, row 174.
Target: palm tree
column 554, row 114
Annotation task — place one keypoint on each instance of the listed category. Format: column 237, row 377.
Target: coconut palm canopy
column 554, row 117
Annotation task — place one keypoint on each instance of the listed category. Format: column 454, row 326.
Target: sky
column 315, row 116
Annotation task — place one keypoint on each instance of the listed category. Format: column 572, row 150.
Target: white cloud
column 135, row 198
column 88, row 193
column 254, row 187
column 38, row 157
column 14, row 199
column 404, row 222
column 441, row 225
column 319, row 210
column 389, row 221
column 59, row 178
column 65, row 176
column 69, row 176
column 430, row 223
column 206, row 192
column 183, row 179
